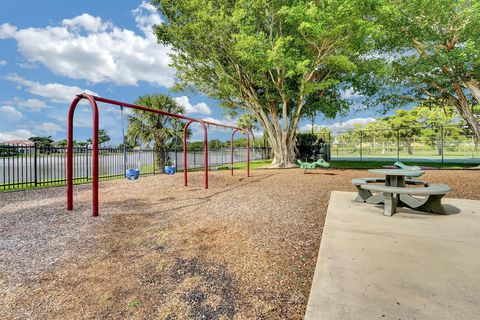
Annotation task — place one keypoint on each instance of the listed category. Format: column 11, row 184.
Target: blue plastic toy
column 170, row 170
column 132, row 174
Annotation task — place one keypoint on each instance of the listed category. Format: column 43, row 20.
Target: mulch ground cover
column 244, row 249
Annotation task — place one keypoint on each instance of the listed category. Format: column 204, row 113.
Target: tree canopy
column 432, row 53
column 275, row 59
column 42, row 142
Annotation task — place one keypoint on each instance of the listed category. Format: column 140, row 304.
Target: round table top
column 397, row 172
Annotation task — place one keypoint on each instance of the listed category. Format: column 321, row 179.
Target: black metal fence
column 31, row 166
column 441, row 144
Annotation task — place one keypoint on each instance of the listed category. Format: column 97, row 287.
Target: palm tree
column 148, row 126
column 248, row 122
column 102, row 137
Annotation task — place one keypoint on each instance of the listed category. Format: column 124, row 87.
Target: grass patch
column 256, row 164
column 134, row 303
column 365, row 164
column 347, row 164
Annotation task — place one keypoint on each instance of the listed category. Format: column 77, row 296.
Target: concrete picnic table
column 395, row 192
column 396, row 177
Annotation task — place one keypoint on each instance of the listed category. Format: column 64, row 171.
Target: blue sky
column 50, row 50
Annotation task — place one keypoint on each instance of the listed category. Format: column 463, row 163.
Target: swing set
column 95, row 169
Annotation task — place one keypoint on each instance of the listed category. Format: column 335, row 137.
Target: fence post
column 153, row 159
column 125, row 157
column 441, row 141
column 35, row 163
column 398, row 145
column 361, row 145
column 86, row 161
column 473, row 147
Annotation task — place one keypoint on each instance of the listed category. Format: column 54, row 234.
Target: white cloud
column 20, row 134
column 48, row 128
column 339, row 126
column 54, row 91
column 87, row 23
column 308, row 127
column 201, row 107
column 9, row 113
column 83, row 117
column 197, row 130
column 7, row 31
column 34, row 105
column 350, row 124
column 3, row 63
column 225, row 121
column 146, row 17
column 30, row 66
column 85, row 47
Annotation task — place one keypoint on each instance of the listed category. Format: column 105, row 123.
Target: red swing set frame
column 95, row 172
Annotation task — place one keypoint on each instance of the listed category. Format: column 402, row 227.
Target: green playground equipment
column 312, row 165
column 401, row 165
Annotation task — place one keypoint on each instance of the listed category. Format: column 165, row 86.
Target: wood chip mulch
column 244, row 249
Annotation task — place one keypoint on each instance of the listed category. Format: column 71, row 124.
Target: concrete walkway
column 409, row 266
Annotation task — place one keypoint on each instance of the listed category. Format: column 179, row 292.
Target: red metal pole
column 94, row 156
column 205, row 151
column 185, row 165
column 231, row 151
column 71, row 112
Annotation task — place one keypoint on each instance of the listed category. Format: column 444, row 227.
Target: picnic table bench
column 367, row 196
column 395, row 196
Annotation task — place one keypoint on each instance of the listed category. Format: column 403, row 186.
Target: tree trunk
column 161, row 160
column 159, row 149
column 466, row 112
column 408, row 144
column 283, row 151
column 253, row 136
column 474, row 88
column 282, row 140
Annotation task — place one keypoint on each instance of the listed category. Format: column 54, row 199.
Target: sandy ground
column 244, row 249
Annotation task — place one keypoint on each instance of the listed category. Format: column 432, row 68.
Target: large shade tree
column 275, row 59
column 432, row 49
column 146, row 126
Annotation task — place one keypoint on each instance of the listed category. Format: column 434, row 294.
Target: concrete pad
column 412, row 265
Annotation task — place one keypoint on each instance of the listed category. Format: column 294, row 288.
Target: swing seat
column 170, row 170
column 132, row 174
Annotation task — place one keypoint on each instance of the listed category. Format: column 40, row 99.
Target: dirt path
column 244, row 249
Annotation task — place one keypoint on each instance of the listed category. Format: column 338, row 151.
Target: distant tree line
column 423, row 124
